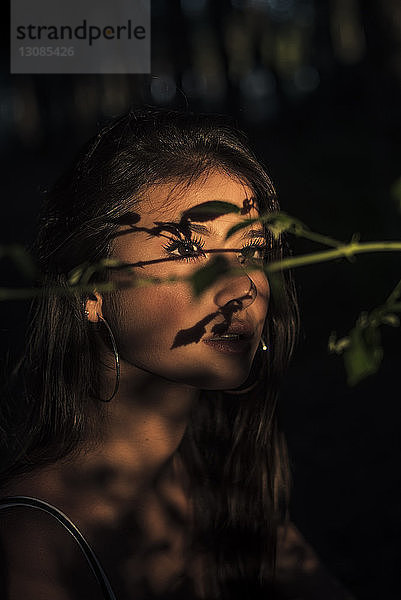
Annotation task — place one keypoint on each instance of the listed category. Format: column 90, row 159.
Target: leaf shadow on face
column 180, row 230
column 206, row 211
column 194, row 334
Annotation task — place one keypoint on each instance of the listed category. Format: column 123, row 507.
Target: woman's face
column 208, row 341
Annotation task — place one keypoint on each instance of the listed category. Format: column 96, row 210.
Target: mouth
column 236, row 339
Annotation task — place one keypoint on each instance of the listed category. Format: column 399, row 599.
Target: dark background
column 317, row 87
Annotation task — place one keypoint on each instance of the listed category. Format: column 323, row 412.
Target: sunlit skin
column 159, row 332
column 160, row 380
column 152, row 320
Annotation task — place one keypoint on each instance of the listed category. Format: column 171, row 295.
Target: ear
column 93, row 307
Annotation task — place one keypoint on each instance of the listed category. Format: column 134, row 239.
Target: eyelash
column 193, row 241
column 257, row 245
column 200, row 243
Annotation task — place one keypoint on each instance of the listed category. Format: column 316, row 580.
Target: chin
column 228, row 376
column 220, row 381
column 209, row 374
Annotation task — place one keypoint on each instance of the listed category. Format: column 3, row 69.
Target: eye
column 254, row 251
column 186, row 249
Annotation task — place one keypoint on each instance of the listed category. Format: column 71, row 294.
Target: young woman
column 147, row 418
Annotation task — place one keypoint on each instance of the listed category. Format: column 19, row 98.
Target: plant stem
column 343, row 251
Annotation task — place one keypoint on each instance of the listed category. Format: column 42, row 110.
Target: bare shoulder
column 39, row 557
column 30, row 563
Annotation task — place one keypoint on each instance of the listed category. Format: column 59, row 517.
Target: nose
column 237, row 292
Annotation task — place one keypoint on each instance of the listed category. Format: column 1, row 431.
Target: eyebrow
column 248, row 234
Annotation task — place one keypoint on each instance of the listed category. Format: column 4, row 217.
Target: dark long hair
column 233, row 451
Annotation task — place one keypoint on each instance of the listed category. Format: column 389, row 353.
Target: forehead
column 168, row 201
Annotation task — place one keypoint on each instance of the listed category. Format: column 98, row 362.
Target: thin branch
column 346, row 251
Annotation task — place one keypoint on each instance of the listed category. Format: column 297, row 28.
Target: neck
column 148, row 416
column 137, row 436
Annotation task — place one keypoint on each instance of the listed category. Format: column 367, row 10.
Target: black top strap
column 94, row 563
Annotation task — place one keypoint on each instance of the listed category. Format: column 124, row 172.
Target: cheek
column 151, row 316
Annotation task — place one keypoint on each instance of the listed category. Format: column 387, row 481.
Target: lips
column 237, row 330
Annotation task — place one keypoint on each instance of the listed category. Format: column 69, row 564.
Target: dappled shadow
column 195, row 333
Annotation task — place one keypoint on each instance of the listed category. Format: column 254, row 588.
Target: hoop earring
column 116, row 360
column 116, row 357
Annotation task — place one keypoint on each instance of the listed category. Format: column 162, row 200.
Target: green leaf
column 239, row 226
column 83, row 272
column 74, row 276
column 364, row 354
column 204, row 277
column 391, row 319
column 337, row 346
column 277, row 222
column 280, row 222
